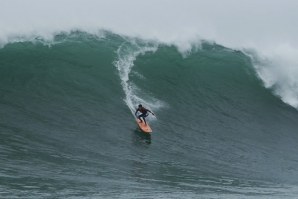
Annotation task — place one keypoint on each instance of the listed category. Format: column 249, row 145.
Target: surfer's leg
column 139, row 117
column 145, row 115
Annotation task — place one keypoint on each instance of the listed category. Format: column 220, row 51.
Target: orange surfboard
column 145, row 128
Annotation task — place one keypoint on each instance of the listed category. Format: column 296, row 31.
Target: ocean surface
column 67, row 128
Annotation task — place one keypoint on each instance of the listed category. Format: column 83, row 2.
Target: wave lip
column 279, row 71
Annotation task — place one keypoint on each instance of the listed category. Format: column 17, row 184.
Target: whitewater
column 220, row 76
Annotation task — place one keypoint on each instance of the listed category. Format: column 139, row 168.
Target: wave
column 276, row 68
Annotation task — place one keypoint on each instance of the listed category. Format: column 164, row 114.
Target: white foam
column 278, row 68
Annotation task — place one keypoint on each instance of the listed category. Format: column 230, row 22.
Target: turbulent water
column 67, row 128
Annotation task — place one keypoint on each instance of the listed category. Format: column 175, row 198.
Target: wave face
column 67, row 128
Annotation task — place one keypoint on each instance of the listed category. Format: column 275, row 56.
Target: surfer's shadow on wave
column 140, row 137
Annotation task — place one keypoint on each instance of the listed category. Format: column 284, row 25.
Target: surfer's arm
column 150, row 112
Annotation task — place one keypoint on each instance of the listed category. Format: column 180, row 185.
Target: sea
column 67, row 125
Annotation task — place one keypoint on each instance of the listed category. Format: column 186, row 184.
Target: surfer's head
column 140, row 105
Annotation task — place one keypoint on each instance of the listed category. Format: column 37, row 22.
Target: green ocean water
column 67, row 128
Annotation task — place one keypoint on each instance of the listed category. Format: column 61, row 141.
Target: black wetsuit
column 144, row 112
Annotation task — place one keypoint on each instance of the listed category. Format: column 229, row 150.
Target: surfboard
column 145, row 128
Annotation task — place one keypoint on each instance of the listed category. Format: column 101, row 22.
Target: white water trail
column 127, row 53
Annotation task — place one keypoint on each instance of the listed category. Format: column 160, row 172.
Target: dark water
column 66, row 128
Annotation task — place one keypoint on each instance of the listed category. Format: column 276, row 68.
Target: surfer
column 144, row 112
